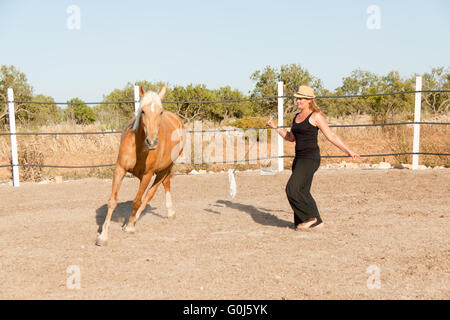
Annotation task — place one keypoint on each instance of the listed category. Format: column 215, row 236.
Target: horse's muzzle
column 151, row 144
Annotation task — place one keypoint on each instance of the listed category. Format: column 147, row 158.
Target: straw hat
column 305, row 92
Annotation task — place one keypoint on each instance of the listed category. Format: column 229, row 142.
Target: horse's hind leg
column 160, row 176
column 119, row 173
column 170, row 211
column 137, row 202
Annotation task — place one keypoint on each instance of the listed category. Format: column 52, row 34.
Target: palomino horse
column 150, row 144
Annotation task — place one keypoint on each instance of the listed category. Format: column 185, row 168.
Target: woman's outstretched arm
column 322, row 124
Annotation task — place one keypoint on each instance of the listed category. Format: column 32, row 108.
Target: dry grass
column 69, row 150
column 80, row 150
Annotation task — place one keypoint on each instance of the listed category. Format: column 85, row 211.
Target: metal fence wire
column 234, row 100
column 227, row 130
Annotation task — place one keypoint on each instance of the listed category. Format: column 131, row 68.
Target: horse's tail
column 171, row 170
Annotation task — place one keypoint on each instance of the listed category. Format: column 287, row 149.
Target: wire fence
column 231, row 161
column 223, row 130
column 227, row 130
column 233, row 100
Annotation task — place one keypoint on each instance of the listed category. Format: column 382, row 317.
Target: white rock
column 351, row 165
column 193, row 172
column 267, row 171
column 384, row 165
column 232, row 131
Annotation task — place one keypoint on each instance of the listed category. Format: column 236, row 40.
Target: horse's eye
column 161, row 112
column 142, row 112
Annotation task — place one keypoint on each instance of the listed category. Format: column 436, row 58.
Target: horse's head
column 149, row 116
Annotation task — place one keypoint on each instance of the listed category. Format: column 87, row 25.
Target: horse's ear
column 141, row 92
column 162, row 93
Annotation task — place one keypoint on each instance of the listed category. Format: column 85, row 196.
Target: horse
column 150, row 144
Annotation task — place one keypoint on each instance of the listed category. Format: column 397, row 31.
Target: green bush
column 248, row 122
column 79, row 112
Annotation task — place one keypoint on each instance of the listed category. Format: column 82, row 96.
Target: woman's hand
column 354, row 155
column 287, row 135
column 271, row 124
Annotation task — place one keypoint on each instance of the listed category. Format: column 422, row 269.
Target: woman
column 305, row 126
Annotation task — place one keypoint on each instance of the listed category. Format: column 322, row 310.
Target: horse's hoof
column 128, row 229
column 172, row 217
column 171, row 214
column 101, row 242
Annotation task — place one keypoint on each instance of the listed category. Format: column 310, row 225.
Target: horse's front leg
column 119, row 173
column 129, row 227
column 169, row 205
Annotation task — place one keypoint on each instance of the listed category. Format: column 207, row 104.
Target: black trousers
column 298, row 190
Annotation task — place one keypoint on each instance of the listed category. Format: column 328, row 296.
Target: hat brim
column 299, row 95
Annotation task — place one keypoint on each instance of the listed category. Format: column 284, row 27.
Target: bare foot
column 306, row 224
column 319, row 226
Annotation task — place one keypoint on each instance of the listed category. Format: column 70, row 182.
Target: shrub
column 31, row 156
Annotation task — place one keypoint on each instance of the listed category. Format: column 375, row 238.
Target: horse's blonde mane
column 149, row 97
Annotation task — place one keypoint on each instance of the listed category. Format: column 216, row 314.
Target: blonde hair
column 314, row 107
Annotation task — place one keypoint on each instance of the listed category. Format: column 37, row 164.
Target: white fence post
column 280, row 123
column 12, row 130
column 137, row 99
column 417, row 109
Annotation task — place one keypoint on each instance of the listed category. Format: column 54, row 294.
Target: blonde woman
column 305, row 127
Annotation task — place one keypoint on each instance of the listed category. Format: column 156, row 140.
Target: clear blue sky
column 216, row 43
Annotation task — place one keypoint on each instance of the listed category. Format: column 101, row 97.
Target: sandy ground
column 387, row 237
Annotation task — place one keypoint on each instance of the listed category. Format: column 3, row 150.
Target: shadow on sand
column 259, row 215
column 121, row 213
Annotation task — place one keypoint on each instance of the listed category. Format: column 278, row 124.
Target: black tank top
column 305, row 133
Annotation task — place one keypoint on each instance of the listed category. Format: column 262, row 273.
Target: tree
column 79, row 112
column 10, row 77
column 359, row 82
column 387, row 107
column 238, row 109
column 185, row 98
column 292, row 75
column 438, row 79
column 45, row 113
column 116, row 115
column 265, row 86
column 380, row 107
